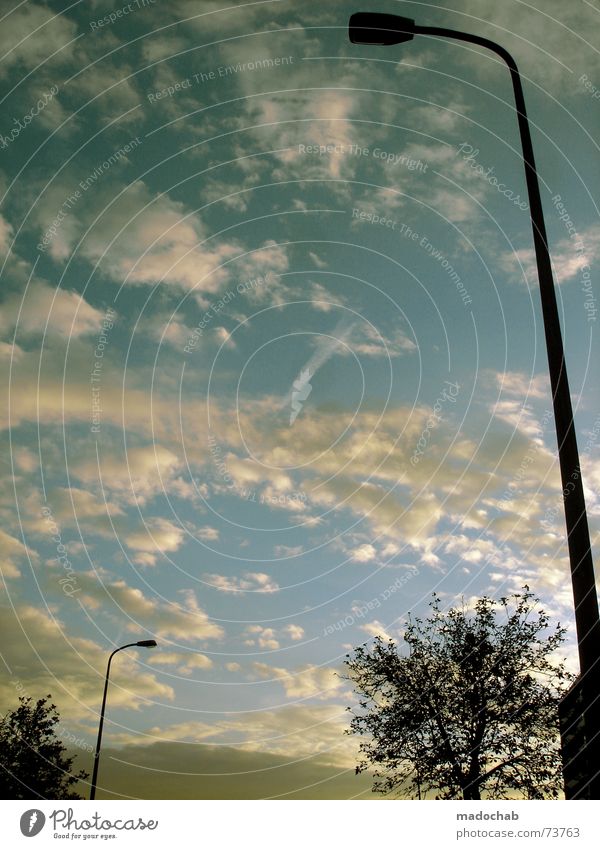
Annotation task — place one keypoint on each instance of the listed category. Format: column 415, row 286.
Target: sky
column 274, row 363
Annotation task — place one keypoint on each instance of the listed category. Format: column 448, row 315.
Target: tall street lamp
column 148, row 644
column 385, row 29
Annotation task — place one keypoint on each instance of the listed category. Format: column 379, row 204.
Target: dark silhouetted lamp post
column 148, row 644
column 384, row 29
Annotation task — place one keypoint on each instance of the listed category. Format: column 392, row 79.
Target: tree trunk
column 471, row 791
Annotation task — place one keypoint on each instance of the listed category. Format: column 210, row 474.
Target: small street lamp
column 147, row 644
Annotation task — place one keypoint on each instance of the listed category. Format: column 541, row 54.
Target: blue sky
column 274, row 360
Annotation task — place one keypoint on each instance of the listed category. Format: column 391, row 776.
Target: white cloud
column 521, row 385
column 168, row 619
column 294, row 632
column 473, row 550
column 6, row 235
column 365, row 553
column 264, row 638
column 30, row 33
column 376, row 629
column 294, row 732
column 569, row 258
column 135, row 475
column 288, row 550
column 158, row 535
column 551, row 42
column 257, row 582
column 270, row 638
column 371, row 343
column 185, row 663
column 49, row 659
column 207, row 534
column 44, row 309
column 70, row 503
column 11, row 551
column 138, row 238
column 320, row 263
column 306, row 682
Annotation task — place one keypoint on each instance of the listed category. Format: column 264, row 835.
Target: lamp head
column 147, row 644
column 380, row 28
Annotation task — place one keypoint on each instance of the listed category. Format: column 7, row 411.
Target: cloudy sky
column 273, row 361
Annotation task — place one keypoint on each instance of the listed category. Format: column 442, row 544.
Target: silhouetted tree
column 470, row 709
column 32, row 759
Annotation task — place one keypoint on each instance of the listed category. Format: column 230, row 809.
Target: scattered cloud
column 48, row 658
column 365, row 553
column 12, row 551
column 42, row 309
column 376, row 629
column 185, row 663
column 264, row 638
column 256, row 582
column 185, row 620
column 569, row 258
column 307, row 682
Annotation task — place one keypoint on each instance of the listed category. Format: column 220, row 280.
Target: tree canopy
column 32, row 759
column 470, row 710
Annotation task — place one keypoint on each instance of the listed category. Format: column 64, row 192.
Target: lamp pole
column 384, row 29
column 149, row 644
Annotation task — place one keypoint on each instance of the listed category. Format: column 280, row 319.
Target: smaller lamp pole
column 148, row 644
